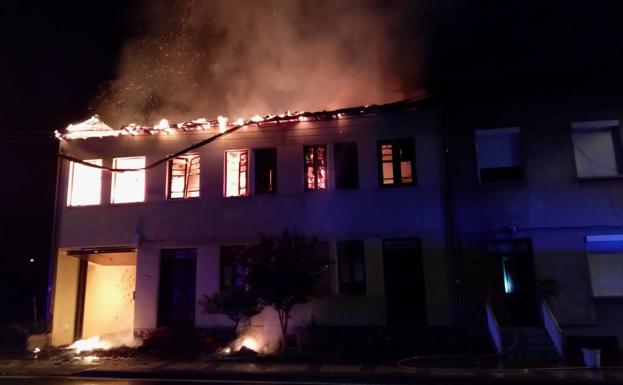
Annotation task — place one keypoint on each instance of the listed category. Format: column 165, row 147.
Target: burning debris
column 95, row 128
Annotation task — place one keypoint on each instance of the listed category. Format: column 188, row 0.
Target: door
column 511, row 281
column 176, row 299
column 405, row 299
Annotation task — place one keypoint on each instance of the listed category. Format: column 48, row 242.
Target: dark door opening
column 405, row 299
column 176, row 299
column 511, row 281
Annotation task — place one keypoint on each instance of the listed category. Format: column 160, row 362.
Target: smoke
column 238, row 58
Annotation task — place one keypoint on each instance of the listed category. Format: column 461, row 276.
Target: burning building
column 147, row 217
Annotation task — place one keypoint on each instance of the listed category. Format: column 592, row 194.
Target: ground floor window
column 351, row 267
column 176, row 299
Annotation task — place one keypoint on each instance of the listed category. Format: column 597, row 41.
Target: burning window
column 397, row 159
column 184, row 174
column 85, row 184
column 128, row 186
column 346, row 166
column 315, row 167
column 236, row 173
column 351, row 267
column 266, row 171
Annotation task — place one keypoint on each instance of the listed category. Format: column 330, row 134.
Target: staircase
column 528, row 343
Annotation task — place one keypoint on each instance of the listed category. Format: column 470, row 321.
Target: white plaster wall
column 370, row 213
column 65, row 291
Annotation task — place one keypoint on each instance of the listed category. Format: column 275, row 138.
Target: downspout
column 53, row 245
column 450, row 219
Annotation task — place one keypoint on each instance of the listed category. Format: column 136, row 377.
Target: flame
column 90, row 344
column 162, row 125
column 250, row 343
column 256, row 118
column 222, row 123
column 239, row 122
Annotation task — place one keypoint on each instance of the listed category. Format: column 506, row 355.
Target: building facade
column 137, row 250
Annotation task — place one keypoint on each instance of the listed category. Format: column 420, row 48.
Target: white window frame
column 115, row 177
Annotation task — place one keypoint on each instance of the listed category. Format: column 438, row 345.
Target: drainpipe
column 450, row 219
column 49, row 304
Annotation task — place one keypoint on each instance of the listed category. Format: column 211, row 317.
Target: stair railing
column 494, row 328
column 553, row 328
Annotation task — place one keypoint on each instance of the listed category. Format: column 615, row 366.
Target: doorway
column 176, row 298
column 405, row 298
column 511, row 281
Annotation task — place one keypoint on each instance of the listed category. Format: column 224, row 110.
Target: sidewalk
column 231, row 369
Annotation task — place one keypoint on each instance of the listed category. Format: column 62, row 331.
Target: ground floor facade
column 109, row 290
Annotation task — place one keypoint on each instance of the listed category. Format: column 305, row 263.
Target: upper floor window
column 315, row 167
column 397, row 160
column 85, row 184
column 128, row 186
column 184, row 172
column 351, row 267
column 346, row 166
column 597, row 148
column 265, row 171
column 236, row 173
column 499, row 157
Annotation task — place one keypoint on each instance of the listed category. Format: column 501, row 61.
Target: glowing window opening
column 184, row 177
column 236, row 173
column 315, row 167
column 128, row 186
column 85, row 184
column 397, row 158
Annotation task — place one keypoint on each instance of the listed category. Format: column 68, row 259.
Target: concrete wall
column 369, row 213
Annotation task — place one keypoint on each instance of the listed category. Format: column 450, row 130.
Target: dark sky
column 57, row 56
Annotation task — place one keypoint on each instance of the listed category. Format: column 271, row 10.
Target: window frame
column 337, row 171
column 227, row 258
column 113, row 182
column 189, row 158
column 247, row 172
column 396, row 162
column 614, row 127
column 351, row 252
column 71, row 180
column 274, row 178
column 316, row 166
column 521, row 165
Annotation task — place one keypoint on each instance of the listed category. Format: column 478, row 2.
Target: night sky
column 57, row 57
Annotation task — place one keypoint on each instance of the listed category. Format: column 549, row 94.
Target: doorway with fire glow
column 511, row 281
column 176, row 299
column 405, row 299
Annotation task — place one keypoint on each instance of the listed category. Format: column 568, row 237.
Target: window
column 177, row 287
column 346, row 166
column 322, row 256
column 266, row 171
column 605, row 263
column 351, row 267
column 597, row 148
column 397, row 159
column 236, row 173
column 232, row 274
column 498, row 152
column 85, row 184
column 128, row 186
column 184, row 172
column 315, row 167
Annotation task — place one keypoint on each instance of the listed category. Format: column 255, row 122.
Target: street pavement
column 94, row 370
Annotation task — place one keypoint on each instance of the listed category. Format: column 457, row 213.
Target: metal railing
column 494, row 328
column 552, row 328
